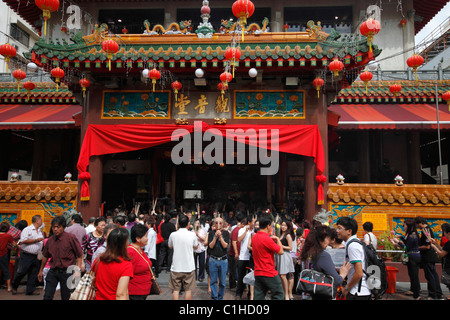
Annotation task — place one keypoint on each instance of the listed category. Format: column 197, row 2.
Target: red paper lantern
column 124, row 30
column 222, row 87
column 233, row 55
column 19, row 75
column 336, row 66
column 154, row 75
column 318, row 83
column 369, row 29
column 243, row 9
column 58, row 74
column 415, row 62
column 226, row 77
column 366, row 76
column 8, row 51
column 176, row 86
column 395, row 89
column 84, row 83
column 47, row 7
column 286, row 27
column 29, row 86
column 446, row 98
column 110, row 47
column 403, row 22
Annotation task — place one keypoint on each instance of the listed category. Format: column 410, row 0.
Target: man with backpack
column 356, row 287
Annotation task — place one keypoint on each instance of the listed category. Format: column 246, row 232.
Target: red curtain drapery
column 99, row 140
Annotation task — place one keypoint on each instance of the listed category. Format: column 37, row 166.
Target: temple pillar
column 310, row 188
column 363, row 156
column 414, row 163
column 92, row 207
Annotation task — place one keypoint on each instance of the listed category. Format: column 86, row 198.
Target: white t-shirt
column 244, row 253
column 371, row 238
column 183, row 242
column 150, row 248
column 356, row 254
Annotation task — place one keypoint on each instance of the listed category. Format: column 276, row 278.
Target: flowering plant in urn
column 14, row 177
column 68, row 177
column 340, row 179
column 398, row 180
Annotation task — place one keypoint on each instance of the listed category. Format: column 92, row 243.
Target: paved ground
column 201, row 292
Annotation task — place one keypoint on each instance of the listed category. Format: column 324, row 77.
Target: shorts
column 178, row 278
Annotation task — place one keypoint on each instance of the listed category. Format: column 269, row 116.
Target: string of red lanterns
column 19, row 75
column 366, row 76
column 47, row 7
column 176, row 86
column 58, row 74
column 233, row 55
column 369, row 29
column 414, row 62
column 318, row 83
column 8, row 51
column 110, row 47
column 29, row 86
column 243, row 9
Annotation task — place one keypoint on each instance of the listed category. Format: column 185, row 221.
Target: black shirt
column 428, row 255
column 166, row 229
column 218, row 250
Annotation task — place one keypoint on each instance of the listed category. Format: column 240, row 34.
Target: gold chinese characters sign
column 240, row 104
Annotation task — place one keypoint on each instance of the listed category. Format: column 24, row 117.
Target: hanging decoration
column 446, row 98
column 226, row 77
column 84, row 83
column 369, row 29
column 29, row 86
column 233, row 55
column 395, row 89
column 286, row 27
column 58, row 74
column 336, row 66
column 110, row 47
column 222, row 88
column 243, row 9
column 124, row 30
column 154, row 75
column 8, row 51
column 47, row 7
column 176, row 86
column 32, row 67
column 318, row 83
column 366, row 76
column 19, row 75
column 403, row 22
column 414, row 62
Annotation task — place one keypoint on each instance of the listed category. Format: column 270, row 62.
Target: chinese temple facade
column 149, row 76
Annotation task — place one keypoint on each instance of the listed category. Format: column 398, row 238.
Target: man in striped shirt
column 31, row 240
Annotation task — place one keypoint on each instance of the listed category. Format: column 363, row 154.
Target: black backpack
column 377, row 282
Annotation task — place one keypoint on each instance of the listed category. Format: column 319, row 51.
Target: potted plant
column 385, row 243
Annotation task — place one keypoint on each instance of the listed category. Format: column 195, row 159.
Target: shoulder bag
column 85, row 289
column 154, row 289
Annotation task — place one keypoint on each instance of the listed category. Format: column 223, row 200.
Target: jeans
column 434, row 283
column 264, row 284
column 413, row 272
column 232, row 271
column 218, row 272
column 242, row 271
column 51, row 282
column 200, row 260
column 29, row 265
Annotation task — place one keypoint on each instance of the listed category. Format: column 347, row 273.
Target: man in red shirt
column 264, row 248
column 234, row 248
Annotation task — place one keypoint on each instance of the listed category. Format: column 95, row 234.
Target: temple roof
column 45, row 92
column 275, row 51
column 421, row 91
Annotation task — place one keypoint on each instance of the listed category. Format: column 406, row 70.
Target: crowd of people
column 259, row 254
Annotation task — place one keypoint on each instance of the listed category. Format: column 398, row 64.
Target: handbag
column 154, row 289
column 159, row 237
column 445, row 279
column 85, row 289
column 405, row 257
column 317, row 283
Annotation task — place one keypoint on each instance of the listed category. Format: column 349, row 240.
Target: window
column 20, row 35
